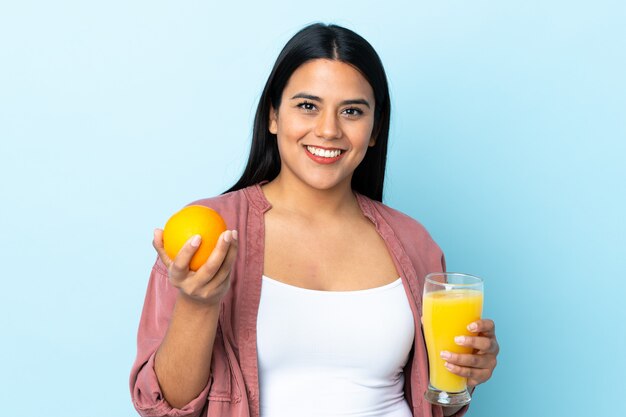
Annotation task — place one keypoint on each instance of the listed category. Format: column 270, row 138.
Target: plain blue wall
column 508, row 144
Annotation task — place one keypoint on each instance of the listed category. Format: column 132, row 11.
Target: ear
column 375, row 132
column 273, row 121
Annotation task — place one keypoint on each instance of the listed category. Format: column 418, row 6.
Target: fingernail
column 472, row 327
column 447, row 365
column 195, row 241
column 228, row 236
column 459, row 340
column 445, row 354
column 235, row 235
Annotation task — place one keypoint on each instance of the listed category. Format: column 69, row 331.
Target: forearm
column 183, row 360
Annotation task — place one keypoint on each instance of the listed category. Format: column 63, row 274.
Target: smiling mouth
column 324, row 153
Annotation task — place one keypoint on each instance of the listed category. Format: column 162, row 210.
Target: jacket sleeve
column 144, row 387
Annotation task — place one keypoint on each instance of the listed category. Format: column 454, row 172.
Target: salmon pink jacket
column 233, row 387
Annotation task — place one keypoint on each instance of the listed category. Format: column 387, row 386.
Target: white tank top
column 333, row 353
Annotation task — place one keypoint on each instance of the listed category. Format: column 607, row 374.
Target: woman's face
column 323, row 124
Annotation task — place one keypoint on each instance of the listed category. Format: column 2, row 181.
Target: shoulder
column 232, row 206
column 399, row 221
column 412, row 235
column 223, row 202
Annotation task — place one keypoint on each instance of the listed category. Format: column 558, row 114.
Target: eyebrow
column 316, row 98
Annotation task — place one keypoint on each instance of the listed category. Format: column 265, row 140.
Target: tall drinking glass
column 451, row 301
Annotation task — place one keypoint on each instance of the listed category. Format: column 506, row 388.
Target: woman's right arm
column 182, row 362
column 178, row 328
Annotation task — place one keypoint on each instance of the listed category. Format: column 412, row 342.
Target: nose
column 327, row 126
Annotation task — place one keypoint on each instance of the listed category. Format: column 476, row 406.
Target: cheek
column 293, row 128
column 362, row 134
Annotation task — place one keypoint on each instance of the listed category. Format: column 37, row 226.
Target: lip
column 322, row 160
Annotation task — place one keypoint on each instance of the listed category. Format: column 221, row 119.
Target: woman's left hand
column 478, row 366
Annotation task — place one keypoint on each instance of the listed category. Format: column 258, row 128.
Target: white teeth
column 324, row 152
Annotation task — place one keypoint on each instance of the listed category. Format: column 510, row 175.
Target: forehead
column 329, row 78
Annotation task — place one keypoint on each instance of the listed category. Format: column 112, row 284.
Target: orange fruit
column 190, row 221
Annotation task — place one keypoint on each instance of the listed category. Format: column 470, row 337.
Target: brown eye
column 353, row 111
column 307, row 106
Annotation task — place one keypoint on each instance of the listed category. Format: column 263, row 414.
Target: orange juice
column 446, row 314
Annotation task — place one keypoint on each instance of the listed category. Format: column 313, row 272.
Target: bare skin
column 182, row 362
column 335, row 251
column 316, row 235
column 478, row 366
column 315, row 216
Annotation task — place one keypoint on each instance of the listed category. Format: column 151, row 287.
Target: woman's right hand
column 211, row 281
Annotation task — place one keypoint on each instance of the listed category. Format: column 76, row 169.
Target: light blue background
column 508, row 144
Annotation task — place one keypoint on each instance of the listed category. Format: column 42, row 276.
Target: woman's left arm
column 478, row 366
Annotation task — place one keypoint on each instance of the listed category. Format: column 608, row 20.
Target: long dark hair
column 326, row 42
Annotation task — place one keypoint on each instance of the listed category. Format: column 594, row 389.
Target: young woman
column 310, row 305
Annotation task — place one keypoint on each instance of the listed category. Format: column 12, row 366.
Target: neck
column 299, row 198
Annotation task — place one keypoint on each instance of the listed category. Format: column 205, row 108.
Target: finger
column 486, row 326
column 474, row 376
column 206, row 282
column 495, row 347
column 224, row 270
column 157, row 243
column 486, row 361
column 218, row 255
column 180, row 265
column 231, row 255
column 477, row 342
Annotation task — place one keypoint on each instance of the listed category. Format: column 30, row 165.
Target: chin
column 328, row 184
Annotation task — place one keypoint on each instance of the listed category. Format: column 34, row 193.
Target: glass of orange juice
column 451, row 301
